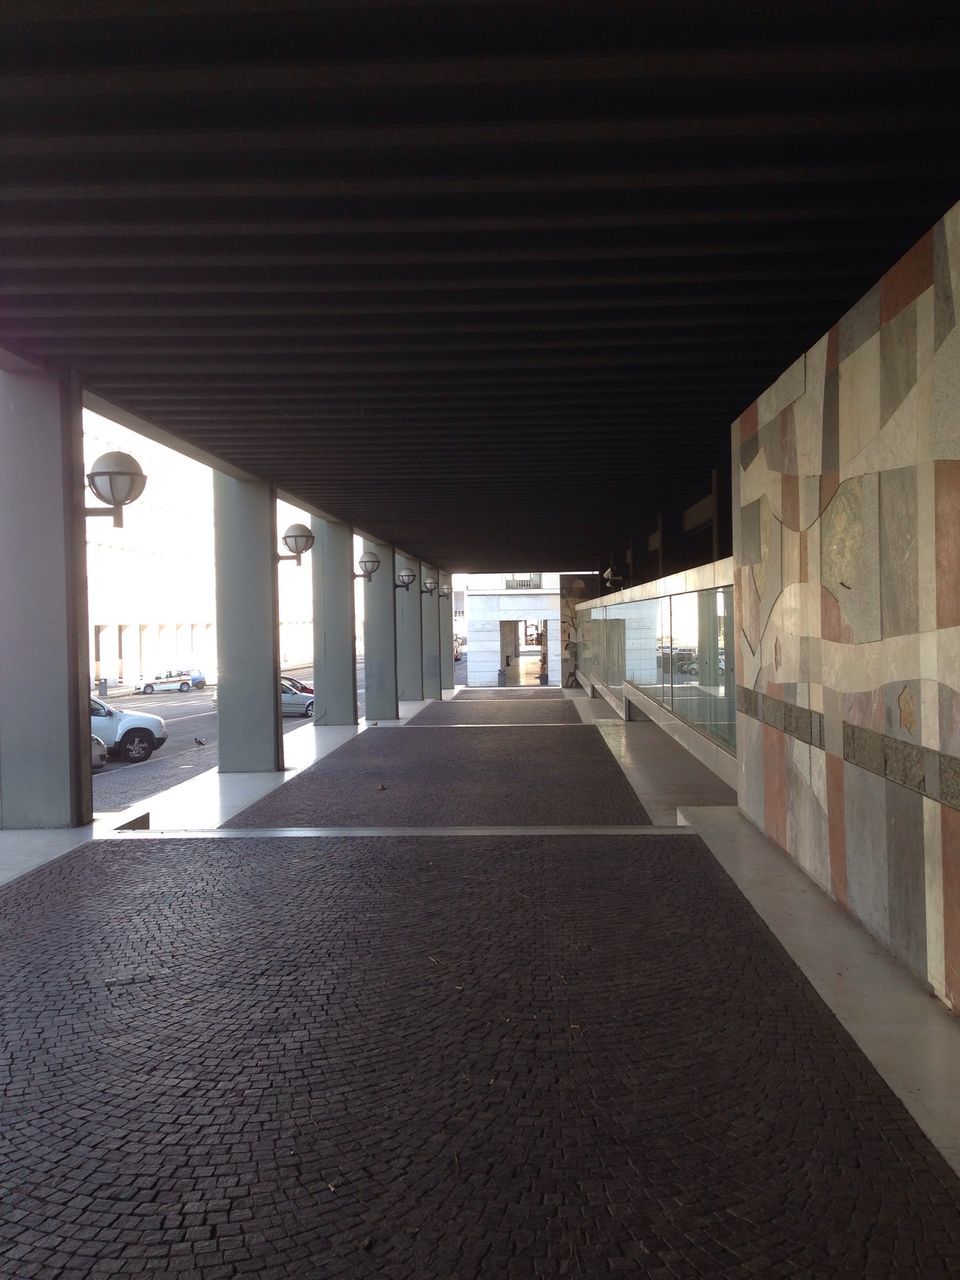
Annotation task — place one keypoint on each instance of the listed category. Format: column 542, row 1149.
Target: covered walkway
column 551, row 1043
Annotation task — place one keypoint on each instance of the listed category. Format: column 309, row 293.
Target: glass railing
column 674, row 649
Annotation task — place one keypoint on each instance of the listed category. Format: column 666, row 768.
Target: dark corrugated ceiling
column 489, row 280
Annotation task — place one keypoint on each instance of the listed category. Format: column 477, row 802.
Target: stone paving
column 435, row 1059
column 499, row 711
column 480, row 695
column 508, row 775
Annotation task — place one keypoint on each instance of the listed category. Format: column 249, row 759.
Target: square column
column 430, row 615
column 447, row 677
column 248, row 634
column 380, row 636
column 334, row 643
column 554, row 651
column 44, row 644
column 409, row 634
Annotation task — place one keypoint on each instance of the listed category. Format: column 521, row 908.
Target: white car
column 131, row 735
column 179, row 680
column 98, row 753
column 293, row 702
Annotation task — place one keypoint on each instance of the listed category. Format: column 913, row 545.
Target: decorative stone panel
column 847, row 597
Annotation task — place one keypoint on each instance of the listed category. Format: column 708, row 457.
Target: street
column 188, row 716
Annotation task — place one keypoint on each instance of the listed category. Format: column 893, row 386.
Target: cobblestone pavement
column 509, row 775
column 435, row 1059
column 499, row 711
column 514, row 695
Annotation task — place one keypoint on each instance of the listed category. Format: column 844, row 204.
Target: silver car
column 293, row 702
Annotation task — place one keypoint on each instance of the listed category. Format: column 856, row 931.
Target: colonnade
column 45, row 776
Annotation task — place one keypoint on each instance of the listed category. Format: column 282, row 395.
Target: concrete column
column 430, row 615
column 44, row 630
column 445, row 607
column 553, row 651
column 509, row 642
column 248, row 646
column 149, row 650
column 708, row 633
column 110, row 653
column 409, row 634
column 380, row 636
column 483, row 639
column 334, row 644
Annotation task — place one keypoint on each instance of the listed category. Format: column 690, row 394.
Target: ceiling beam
column 461, row 135
column 691, row 64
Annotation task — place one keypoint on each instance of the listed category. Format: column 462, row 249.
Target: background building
column 513, row 626
column 152, row 585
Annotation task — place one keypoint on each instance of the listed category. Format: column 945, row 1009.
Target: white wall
column 156, row 576
column 488, row 605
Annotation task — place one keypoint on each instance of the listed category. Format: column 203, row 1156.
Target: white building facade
column 152, row 584
column 513, row 628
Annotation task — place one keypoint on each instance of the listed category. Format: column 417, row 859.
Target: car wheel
column 136, row 746
column 148, row 688
column 201, row 684
column 185, row 686
column 308, row 709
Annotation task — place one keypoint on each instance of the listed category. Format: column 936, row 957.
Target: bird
column 201, row 742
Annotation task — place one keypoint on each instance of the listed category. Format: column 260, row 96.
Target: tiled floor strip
column 266, row 833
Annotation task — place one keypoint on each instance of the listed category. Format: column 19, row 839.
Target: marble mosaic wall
column 847, row 597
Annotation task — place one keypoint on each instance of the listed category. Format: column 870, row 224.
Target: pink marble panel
column 749, row 423
column 833, row 349
column 790, row 501
column 864, row 709
column 908, row 279
column 829, row 484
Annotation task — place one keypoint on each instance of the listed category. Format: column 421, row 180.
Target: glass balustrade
column 674, row 649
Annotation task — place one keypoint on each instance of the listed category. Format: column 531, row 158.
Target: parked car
column 196, row 677
column 293, row 701
column 98, row 752
column 693, row 668
column 165, row 683
column 299, row 685
column 131, row 735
